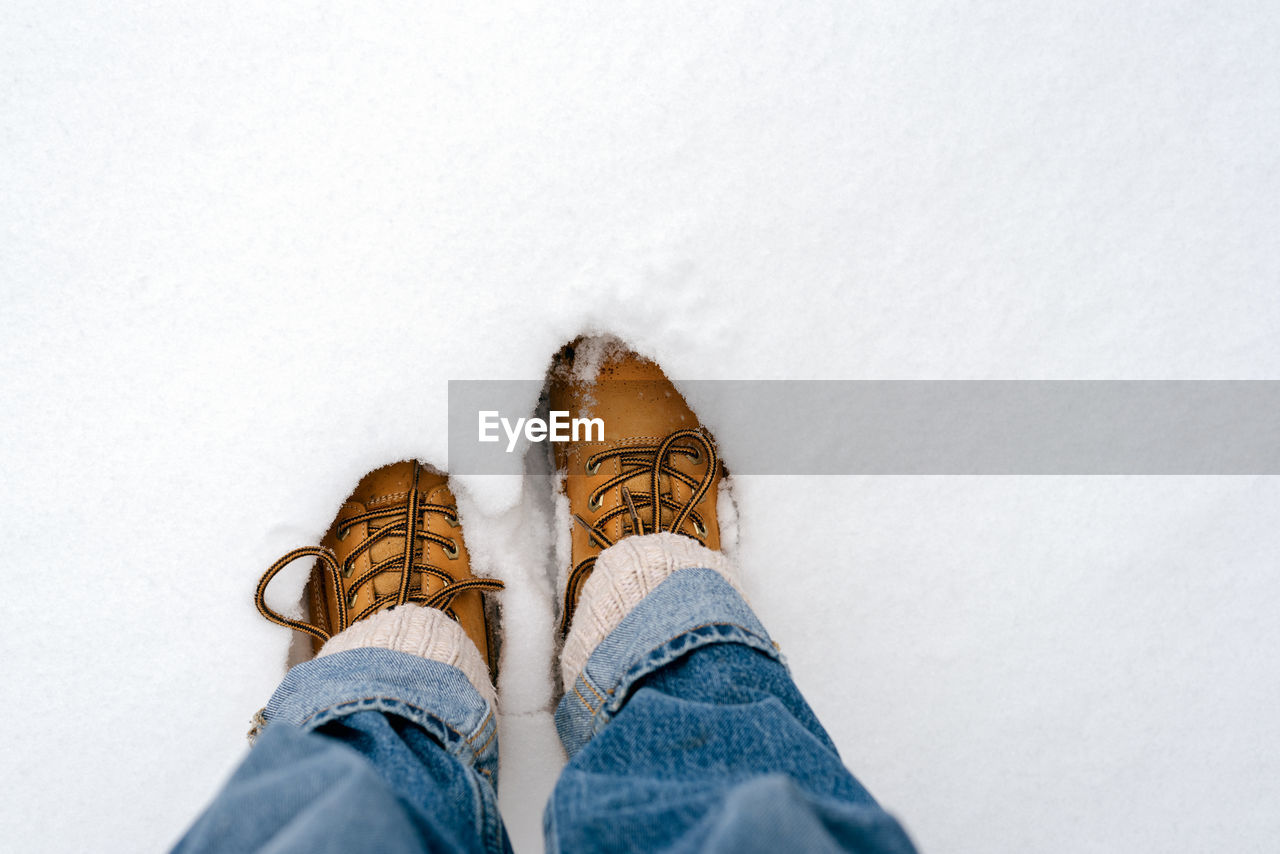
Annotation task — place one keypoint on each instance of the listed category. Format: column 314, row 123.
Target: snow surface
column 243, row 246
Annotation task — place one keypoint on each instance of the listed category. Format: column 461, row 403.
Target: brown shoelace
column 639, row 460
column 409, row 524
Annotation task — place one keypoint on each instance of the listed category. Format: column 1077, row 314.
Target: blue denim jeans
column 684, row 732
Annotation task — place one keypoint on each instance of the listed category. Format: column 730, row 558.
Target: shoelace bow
column 410, row 525
column 637, row 460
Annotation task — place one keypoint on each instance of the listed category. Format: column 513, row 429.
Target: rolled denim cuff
column 690, row 609
column 437, row 697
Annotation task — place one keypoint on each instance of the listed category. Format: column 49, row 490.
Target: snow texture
column 243, row 247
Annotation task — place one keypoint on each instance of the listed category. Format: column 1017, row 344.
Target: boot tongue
column 388, row 581
column 386, row 547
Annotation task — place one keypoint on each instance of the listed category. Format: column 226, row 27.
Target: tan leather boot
column 397, row 539
column 656, row 468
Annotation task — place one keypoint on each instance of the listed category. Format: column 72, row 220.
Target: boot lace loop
column 654, row 462
column 409, row 523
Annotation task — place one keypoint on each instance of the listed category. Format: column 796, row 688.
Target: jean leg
column 702, row 742
column 400, row 761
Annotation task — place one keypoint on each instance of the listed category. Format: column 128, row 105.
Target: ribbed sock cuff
column 424, row 632
column 624, row 574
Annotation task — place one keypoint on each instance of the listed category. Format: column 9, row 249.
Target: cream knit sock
column 425, row 632
column 623, row 575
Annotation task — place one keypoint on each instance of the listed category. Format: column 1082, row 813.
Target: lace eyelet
column 700, row 528
column 453, row 522
column 451, row 550
column 593, row 466
column 347, row 570
column 351, row 600
column 595, row 502
column 697, row 455
column 342, row 533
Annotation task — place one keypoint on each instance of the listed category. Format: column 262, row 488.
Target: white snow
column 244, row 246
